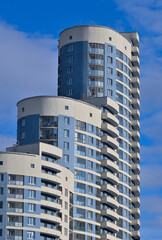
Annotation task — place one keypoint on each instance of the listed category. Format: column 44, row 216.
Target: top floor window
column 70, row 48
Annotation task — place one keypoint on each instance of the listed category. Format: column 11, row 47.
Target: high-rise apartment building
column 75, row 127
column 36, row 194
column 98, row 132
column 97, row 61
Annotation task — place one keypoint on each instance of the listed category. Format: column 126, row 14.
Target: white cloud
column 6, row 141
column 28, row 67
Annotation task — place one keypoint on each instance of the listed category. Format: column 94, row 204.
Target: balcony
column 110, row 165
column 135, row 212
column 136, row 235
column 135, row 179
column 135, row 135
column 135, row 60
column 51, row 191
column 135, row 50
column 53, row 178
column 113, row 143
column 135, row 92
column 136, row 146
column 135, row 114
column 110, row 214
column 110, row 118
column 110, row 177
column 110, row 189
column 111, row 130
column 55, row 233
column 51, row 204
column 108, row 237
column 110, row 226
column 135, row 103
column 110, row 202
column 135, row 223
column 135, row 157
column 51, row 218
column 110, row 153
column 135, row 190
column 135, row 168
column 135, row 71
column 135, row 82
column 135, row 201
column 135, row 125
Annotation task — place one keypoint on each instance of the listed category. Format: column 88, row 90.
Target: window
column 67, row 120
column 66, row 133
column 70, row 92
column 1, row 204
column 90, row 164
column 110, row 71
column 66, row 192
column 90, row 214
column 32, row 194
column 70, row 69
column 23, row 109
column 22, row 135
column 109, row 82
column 90, row 114
column 66, row 218
column 90, row 227
column 69, row 81
column 1, row 191
column 109, row 49
column 90, row 152
column 90, row 177
column 31, row 207
column 90, row 140
column 0, row 232
column 70, row 59
column 80, row 125
column 90, row 128
column 1, row 218
column 30, row 235
column 1, row 177
column 32, row 180
column 66, row 205
column 109, row 93
column 90, row 202
column 66, row 158
column 65, row 231
column 66, row 145
column 90, row 189
column 70, row 37
column 70, row 48
column 31, row 221
column 23, row 122
column 110, row 60
column 32, row 165
column 66, row 107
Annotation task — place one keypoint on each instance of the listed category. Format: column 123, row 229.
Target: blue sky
column 28, row 66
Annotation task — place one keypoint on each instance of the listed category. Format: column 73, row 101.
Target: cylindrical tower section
column 108, row 66
column 74, row 126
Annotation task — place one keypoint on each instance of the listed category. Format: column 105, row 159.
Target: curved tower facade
column 36, row 194
column 75, row 127
column 96, row 62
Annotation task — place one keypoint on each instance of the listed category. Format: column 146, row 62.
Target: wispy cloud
column 28, row 67
column 6, row 141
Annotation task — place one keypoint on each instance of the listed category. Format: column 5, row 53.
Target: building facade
column 96, row 62
column 75, row 126
column 36, row 194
